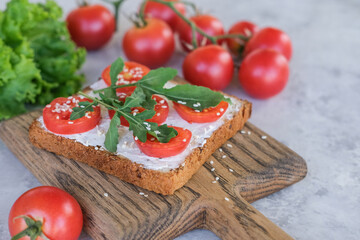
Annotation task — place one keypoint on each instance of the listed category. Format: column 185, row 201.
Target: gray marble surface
column 317, row 115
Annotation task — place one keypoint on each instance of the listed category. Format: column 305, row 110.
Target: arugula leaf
column 112, row 135
column 79, row 112
column 136, row 99
column 157, row 78
column 116, row 68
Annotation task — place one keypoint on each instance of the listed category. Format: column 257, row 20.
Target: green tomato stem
column 116, row 4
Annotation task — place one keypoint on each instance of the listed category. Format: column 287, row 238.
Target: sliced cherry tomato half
column 57, row 116
column 207, row 115
column 161, row 109
column 131, row 73
column 153, row 148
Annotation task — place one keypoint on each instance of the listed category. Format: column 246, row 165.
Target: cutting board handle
column 234, row 218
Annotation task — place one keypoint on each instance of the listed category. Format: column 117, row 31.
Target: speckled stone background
column 317, row 115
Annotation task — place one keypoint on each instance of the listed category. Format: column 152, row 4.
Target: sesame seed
column 164, row 106
column 227, row 199
column 134, row 114
column 70, row 122
column 221, row 109
column 162, row 101
column 106, row 194
column 141, row 193
column 158, row 114
column 224, row 156
column 243, row 132
column 197, row 110
column 96, row 148
column 213, row 169
column 214, row 181
column 230, row 170
column 57, row 117
column 148, row 128
column 145, row 195
column 183, row 164
column 249, row 132
column 220, row 149
column 211, row 162
column 217, row 178
column 229, row 145
column 48, row 106
column 136, row 138
column 218, row 114
column 184, row 140
column 152, row 139
column 263, row 137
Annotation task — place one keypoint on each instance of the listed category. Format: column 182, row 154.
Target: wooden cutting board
column 252, row 169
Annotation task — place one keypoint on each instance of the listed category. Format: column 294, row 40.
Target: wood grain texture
column 260, row 167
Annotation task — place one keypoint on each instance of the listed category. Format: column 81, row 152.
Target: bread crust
column 165, row 183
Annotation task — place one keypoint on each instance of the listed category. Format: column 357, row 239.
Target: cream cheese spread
column 127, row 147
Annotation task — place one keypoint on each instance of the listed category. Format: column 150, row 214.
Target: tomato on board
column 132, row 72
column 163, row 12
column 246, row 28
column 264, row 73
column 56, row 116
column 209, row 24
column 153, row 148
column 91, row 26
column 207, row 115
column 270, row 38
column 60, row 214
column 209, row 66
column 151, row 45
column 161, row 111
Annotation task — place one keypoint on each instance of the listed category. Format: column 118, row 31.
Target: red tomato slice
column 161, row 109
column 57, row 116
column 207, row 115
column 153, row 148
column 131, row 73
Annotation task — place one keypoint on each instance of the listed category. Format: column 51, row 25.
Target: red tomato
column 153, row 148
column 270, row 38
column 57, row 116
column 161, row 109
column 163, row 12
column 58, row 211
column 209, row 24
column 151, row 45
column 91, row 26
column 210, row 66
column 131, row 73
column 236, row 45
column 264, row 73
column 207, row 115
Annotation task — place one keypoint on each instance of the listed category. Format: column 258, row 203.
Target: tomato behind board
column 245, row 28
column 153, row 148
column 151, row 45
column 163, row 12
column 272, row 38
column 91, row 26
column 161, row 111
column 58, row 211
column 56, row 116
column 207, row 115
column 131, row 73
column 264, row 73
column 209, row 66
column 209, row 24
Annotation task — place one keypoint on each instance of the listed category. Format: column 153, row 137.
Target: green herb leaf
column 157, row 78
column 112, row 135
column 79, row 112
column 163, row 133
column 136, row 99
column 137, row 123
column 116, row 68
column 195, row 97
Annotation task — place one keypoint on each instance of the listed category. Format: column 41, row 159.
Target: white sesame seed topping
column 263, row 137
column 162, row 101
column 152, row 139
column 217, row 178
column 48, row 106
column 70, row 122
column 220, row 149
column 197, row 110
column 136, row 138
column 157, row 132
column 230, row 170
column 227, row 199
column 214, row 181
column 181, row 102
column 184, row 140
column 213, row 169
column 57, row 117
column 106, row 194
column 243, row 132
column 141, row 193
column 218, row 114
column 249, row 132
column 211, row 162
column 96, row 148
column 145, row 195
column 164, row 106
column 183, row 164
column 221, row 109
column 224, row 156
column 229, row 145
column 134, row 114
column 158, row 114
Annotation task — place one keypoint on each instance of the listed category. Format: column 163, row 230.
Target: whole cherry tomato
column 209, row 24
column 209, row 66
column 264, row 73
column 53, row 212
column 270, row 38
column 151, row 45
column 246, row 28
column 91, row 26
column 163, row 12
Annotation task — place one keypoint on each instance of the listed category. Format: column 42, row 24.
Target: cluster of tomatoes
column 264, row 53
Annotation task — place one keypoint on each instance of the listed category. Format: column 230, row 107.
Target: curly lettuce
column 38, row 60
